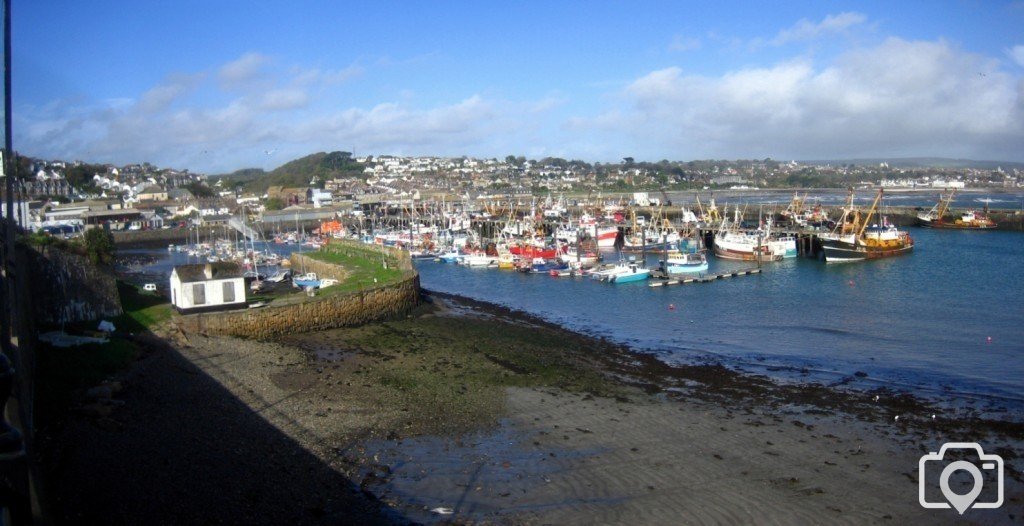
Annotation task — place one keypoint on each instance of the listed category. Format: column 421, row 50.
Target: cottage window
column 229, row 292
column 199, row 294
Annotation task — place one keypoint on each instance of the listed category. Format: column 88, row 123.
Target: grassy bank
column 440, row 374
column 365, row 267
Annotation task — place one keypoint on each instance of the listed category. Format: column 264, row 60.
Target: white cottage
column 212, row 286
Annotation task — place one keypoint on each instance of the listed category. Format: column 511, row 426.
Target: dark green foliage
column 200, row 190
column 239, row 176
column 274, row 203
column 99, row 246
column 299, row 173
column 81, row 176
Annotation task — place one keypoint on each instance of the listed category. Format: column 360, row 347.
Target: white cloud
column 243, row 70
column 1016, row 53
column 898, row 98
column 177, row 123
column 327, row 78
column 284, row 99
column 830, row 25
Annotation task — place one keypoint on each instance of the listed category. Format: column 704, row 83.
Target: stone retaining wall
column 66, row 287
column 163, row 236
column 329, row 311
column 302, row 263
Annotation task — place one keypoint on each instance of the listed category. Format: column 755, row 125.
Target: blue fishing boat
column 306, row 281
column 543, row 266
column 632, row 272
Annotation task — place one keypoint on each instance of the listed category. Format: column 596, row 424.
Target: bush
column 99, row 246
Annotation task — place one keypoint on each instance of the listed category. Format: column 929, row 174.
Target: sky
column 215, row 86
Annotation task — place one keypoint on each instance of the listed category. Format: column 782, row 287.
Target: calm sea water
column 919, row 323
column 1009, row 199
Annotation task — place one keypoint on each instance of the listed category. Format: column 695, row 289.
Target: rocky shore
column 465, row 412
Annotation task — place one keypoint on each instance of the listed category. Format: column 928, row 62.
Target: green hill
column 298, row 173
column 244, row 175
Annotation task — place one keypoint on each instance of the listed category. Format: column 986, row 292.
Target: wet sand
column 509, row 420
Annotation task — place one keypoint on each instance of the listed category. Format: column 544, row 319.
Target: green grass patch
column 142, row 310
column 365, row 267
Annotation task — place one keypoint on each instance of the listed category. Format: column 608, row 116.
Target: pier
column 662, row 280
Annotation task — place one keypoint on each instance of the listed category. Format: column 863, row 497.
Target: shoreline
column 468, row 412
column 654, row 375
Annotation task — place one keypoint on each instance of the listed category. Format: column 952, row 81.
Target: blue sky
column 215, row 86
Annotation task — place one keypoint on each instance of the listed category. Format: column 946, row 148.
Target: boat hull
column 843, row 252
column 954, row 226
column 737, row 255
column 686, row 269
column 630, row 277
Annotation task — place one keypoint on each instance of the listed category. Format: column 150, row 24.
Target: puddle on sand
column 329, row 355
column 478, row 477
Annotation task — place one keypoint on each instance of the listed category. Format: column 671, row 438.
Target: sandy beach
column 468, row 413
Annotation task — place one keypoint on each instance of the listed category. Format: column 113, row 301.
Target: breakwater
column 301, row 264
column 163, row 236
column 328, row 310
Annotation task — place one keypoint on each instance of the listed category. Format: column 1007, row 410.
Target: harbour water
column 944, row 322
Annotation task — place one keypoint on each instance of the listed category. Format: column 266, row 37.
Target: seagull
column 933, row 417
column 876, row 398
column 270, row 152
column 897, row 419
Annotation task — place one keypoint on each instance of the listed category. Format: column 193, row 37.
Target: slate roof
column 219, row 270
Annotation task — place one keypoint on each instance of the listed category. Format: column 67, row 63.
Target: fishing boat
column 632, row 272
column 452, row 256
column 531, row 251
column 584, row 258
column 479, row 260
column 802, row 215
column 306, row 281
column 854, row 240
column 543, row 266
column 507, row 260
column 969, row 220
column 687, row 263
column 740, row 245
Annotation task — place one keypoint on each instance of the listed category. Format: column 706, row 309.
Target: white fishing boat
column 479, row 260
column 687, row 264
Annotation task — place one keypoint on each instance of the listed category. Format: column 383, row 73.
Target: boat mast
column 945, row 204
column 867, row 219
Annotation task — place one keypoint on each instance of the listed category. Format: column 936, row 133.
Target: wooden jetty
column 706, row 278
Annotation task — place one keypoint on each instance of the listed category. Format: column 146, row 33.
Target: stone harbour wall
column 316, row 313
column 67, row 288
column 302, row 264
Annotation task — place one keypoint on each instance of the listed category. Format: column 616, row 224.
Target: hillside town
column 63, row 197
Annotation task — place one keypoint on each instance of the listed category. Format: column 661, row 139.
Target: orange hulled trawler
column 854, row 240
column 969, row 220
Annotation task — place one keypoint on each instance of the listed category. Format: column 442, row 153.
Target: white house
column 213, row 286
column 320, row 198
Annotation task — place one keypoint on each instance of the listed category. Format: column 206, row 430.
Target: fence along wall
column 317, row 313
